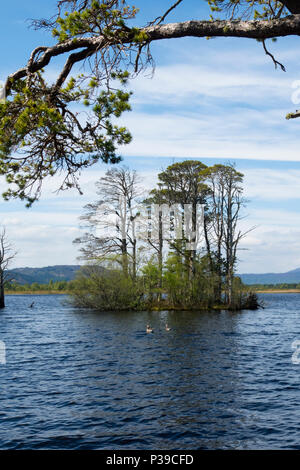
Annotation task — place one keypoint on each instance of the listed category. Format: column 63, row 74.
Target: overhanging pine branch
column 294, row 115
column 287, row 26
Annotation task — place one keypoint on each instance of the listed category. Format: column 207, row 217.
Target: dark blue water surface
column 76, row 379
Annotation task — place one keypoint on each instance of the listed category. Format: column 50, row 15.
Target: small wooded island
column 174, row 247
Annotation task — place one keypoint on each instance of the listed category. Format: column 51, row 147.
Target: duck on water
column 149, row 329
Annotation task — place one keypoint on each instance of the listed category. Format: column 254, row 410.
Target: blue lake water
column 75, row 379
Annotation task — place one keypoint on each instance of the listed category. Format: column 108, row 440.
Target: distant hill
column 43, row 275
column 68, row 273
column 291, row 277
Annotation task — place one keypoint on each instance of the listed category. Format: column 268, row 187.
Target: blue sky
column 217, row 100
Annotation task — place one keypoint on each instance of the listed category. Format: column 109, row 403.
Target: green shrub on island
column 106, row 291
column 111, row 290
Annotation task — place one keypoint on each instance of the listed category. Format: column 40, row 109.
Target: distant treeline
column 283, row 286
column 52, row 286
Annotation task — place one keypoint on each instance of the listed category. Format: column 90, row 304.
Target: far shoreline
column 278, row 291
column 37, row 293
column 260, row 291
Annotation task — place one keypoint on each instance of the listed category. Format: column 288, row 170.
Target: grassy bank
column 52, row 288
column 278, row 291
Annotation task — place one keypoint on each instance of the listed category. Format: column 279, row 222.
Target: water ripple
column 81, row 380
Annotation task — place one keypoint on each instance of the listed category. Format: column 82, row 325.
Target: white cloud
column 276, row 250
column 267, row 184
column 171, row 83
column 42, row 238
column 244, row 134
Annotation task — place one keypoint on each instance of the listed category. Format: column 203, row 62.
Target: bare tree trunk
column 6, row 256
column 2, row 296
column 160, row 251
column 124, row 257
column 134, row 259
column 219, row 272
column 193, row 242
column 207, row 243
